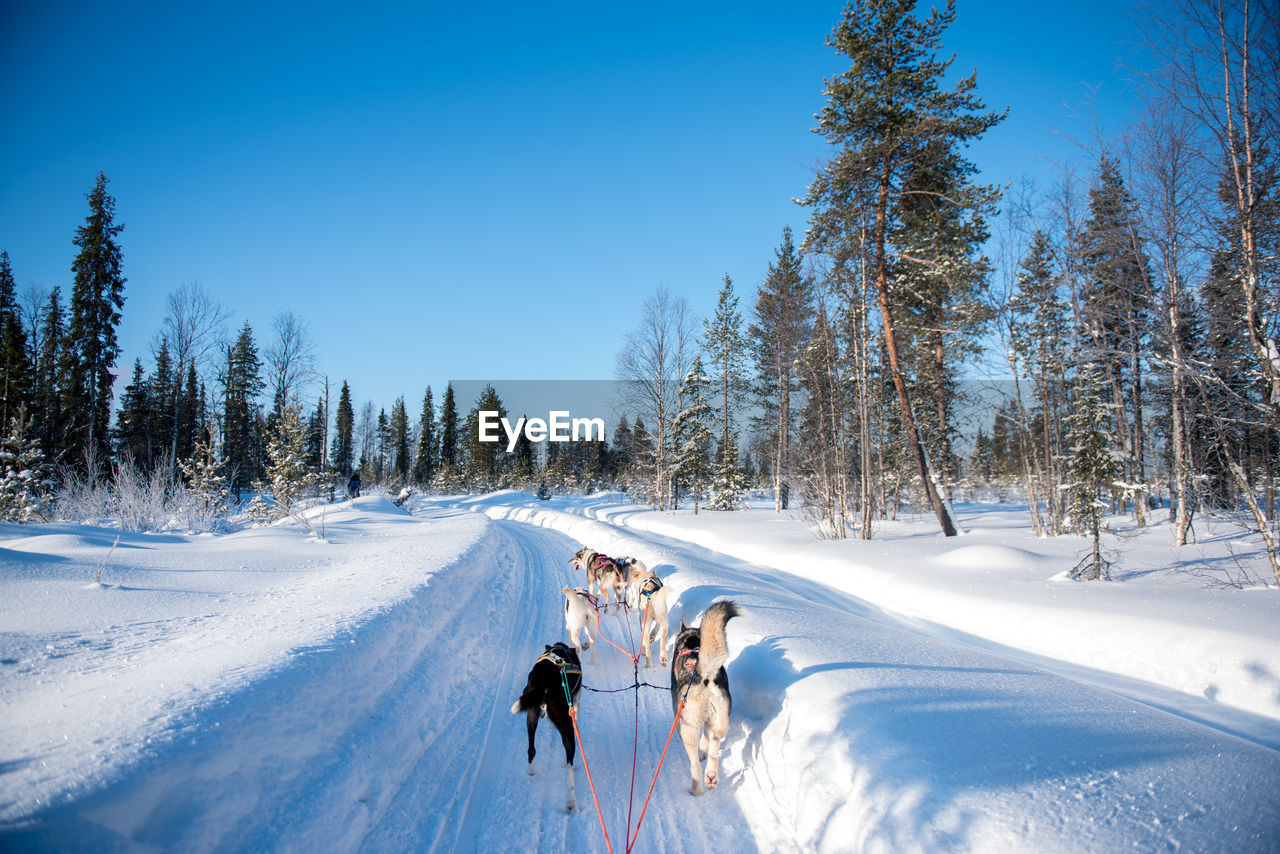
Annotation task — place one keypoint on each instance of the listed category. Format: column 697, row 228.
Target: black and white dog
column 700, row 691
column 553, row 686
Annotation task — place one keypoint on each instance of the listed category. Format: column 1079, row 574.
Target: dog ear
column 548, row 647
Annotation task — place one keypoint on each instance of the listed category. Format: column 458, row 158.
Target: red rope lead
column 674, row 724
column 573, row 716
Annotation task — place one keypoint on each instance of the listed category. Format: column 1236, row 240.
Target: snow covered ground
column 264, row 690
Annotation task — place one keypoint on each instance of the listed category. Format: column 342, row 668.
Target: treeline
column 1133, row 305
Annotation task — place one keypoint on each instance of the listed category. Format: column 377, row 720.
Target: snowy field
column 263, row 690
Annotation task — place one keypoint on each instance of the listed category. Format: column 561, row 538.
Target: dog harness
column 599, row 562
column 585, row 594
column 650, row 587
column 566, row 666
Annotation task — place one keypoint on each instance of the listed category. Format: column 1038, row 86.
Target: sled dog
column 700, row 683
column 556, row 672
column 648, row 595
column 579, row 612
column 603, row 571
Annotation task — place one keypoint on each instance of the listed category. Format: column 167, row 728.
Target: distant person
column 353, row 485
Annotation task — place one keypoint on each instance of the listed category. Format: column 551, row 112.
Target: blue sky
column 463, row 190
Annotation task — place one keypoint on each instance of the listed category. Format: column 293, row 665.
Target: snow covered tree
column 691, row 462
column 206, row 483
column 342, row 455
column 426, row 457
column 726, row 345
column 1090, row 468
column 24, row 477
column 1116, row 311
column 291, row 479
column 488, row 460
column 97, row 297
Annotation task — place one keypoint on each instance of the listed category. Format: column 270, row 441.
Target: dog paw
column 712, row 779
column 571, row 806
column 696, row 789
column 533, row 769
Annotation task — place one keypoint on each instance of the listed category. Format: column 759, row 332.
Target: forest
column 1130, row 308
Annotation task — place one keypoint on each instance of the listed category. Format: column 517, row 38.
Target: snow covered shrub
column 83, row 495
column 143, row 501
column 260, row 511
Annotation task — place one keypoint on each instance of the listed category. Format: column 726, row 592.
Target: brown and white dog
column 647, row 594
column 603, row 571
column 700, row 691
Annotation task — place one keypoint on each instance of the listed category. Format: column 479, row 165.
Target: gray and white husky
column 700, row 691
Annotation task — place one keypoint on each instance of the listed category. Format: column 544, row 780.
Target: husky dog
column 700, row 691
column 579, row 610
column 647, row 594
column 603, row 571
column 555, row 674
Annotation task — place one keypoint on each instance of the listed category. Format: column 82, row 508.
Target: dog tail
column 532, row 698
column 714, row 648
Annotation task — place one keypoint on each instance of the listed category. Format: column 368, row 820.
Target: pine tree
column 783, row 320
column 691, row 465
column 1091, row 468
column 16, row 370
column 97, row 298
column 1116, row 306
column 726, row 346
column 888, row 114
column 242, row 384
column 381, row 465
column 401, row 462
column 24, row 477
column 487, row 459
column 206, row 483
column 51, row 422
column 291, row 479
column 343, row 454
column 450, row 452
column 134, row 420
column 426, row 459
column 1038, row 331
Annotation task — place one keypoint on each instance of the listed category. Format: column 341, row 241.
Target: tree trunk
column 899, row 383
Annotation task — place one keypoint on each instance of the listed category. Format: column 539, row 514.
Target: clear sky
column 464, row 190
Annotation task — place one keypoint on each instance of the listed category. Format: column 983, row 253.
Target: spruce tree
column 242, row 384
column 691, row 464
column 1116, row 307
column 134, row 420
column 343, row 454
column 24, row 477
column 783, row 320
column 488, row 461
column 450, row 426
column 426, row 458
column 97, row 298
column 401, row 462
column 16, row 370
column 1091, row 468
column 51, row 422
column 291, row 479
column 206, row 483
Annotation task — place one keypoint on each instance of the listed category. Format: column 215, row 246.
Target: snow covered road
column 389, row 730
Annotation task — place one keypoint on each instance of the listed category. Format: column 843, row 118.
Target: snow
column 270, row 690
